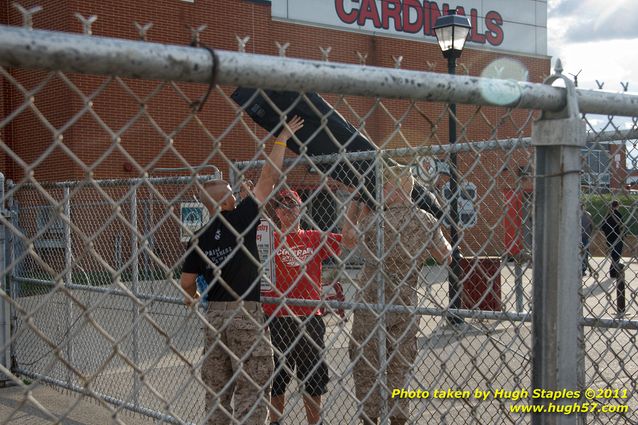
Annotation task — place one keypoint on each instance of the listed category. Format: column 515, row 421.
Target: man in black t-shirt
column 238, row 355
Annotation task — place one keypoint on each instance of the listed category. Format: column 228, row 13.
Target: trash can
column 481, row 281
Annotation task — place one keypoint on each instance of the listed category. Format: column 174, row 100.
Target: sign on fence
column 193, row 216
column 266, row 247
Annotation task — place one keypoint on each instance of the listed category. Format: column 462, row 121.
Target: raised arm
column 355, row 213
column 272, row 168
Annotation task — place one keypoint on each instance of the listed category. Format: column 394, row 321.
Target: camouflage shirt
column 409, row 237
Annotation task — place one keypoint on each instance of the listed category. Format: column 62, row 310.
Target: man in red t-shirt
column 298, row 263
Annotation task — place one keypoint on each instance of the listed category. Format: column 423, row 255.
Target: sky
column 599, row 37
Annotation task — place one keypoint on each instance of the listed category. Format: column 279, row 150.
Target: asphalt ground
column 45, row 405
column 481, row 354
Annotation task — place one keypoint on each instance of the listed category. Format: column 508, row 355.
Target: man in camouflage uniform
column 238, row 358
column 410, row 237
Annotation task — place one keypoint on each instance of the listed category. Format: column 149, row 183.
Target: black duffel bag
column 323, row 140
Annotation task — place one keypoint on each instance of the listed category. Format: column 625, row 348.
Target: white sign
column 518, row 26
column 266, row 248
column 428, row 169
column 465, row 203
column 193, row 216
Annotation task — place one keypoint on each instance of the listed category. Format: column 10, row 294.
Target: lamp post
column 451, row 32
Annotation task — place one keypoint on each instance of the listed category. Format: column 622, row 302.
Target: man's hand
column 191, row 300
column 290, row 128
column 188, row 282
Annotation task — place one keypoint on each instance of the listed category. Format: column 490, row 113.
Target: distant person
column 238, row 363
column 613, row 228
column 587, row 227
column 410, row 237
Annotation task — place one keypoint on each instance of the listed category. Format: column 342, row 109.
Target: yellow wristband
column 280, row 143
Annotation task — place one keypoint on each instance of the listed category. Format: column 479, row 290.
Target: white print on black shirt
column 294, row 256
column 217, row 255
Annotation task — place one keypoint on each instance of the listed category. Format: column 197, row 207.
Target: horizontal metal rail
column 58, row 51
column 431, row 150
column 392, row 308
column 116, row 182
column 612, row 136
column 425, row 311
column 597, row 322
column 102, row 290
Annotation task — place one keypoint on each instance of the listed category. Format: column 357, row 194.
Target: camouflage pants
column 238, row 362
column 401, row 350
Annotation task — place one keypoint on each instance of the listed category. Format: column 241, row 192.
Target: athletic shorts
column 303, row 354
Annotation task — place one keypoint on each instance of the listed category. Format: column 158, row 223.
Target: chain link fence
column 380, row 319
column 124, row 240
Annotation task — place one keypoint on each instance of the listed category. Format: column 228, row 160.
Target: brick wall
column 127, row 141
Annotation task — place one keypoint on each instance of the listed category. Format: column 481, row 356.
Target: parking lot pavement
column 45, row 405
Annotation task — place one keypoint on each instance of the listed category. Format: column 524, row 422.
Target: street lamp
column 451, row 32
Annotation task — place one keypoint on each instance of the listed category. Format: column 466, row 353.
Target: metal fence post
column 135, row 275
column 10, row 256
column 557, row 334
column 383, row 366
column 68, row 280
column 5, row 308
column 148, row 235
column 518, row 285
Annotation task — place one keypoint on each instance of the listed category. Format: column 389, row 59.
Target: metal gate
column 92, row 266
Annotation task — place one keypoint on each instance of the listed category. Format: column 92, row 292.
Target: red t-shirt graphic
column 298, row 269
